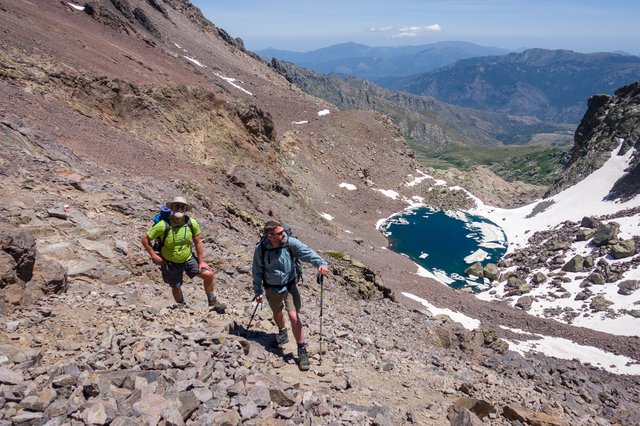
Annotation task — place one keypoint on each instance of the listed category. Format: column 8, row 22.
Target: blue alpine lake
column 446, row 243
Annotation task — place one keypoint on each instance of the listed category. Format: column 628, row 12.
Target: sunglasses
column 279, row 234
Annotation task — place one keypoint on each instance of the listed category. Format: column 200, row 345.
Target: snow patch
column 467, row 322
column 389, row 193
column 566, row 349
column 76, row 6
column 232, row 81
column 326, row 216
column 324, row 112
column 348, row 186
column 195, row 61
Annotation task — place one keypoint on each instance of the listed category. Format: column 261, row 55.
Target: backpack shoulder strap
column 160, row 241
column 190, row 225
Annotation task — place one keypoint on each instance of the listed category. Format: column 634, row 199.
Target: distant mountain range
column 423, row 119
column 551, row 85
column 370, row 63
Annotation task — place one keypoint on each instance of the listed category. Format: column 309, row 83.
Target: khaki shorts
column 289, row 300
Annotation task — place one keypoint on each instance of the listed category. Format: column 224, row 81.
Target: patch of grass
column 334, row 254
column 536, row 164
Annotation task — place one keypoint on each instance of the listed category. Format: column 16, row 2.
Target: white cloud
column 380, row 29
column 416, row 30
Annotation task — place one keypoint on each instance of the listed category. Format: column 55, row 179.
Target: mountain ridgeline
column 551, row 85
column 424, row 120
column 370, row 63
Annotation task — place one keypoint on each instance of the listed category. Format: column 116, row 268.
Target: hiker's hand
column 323, row 270
column 205, row 266
column 158, row 260
column 259, row 298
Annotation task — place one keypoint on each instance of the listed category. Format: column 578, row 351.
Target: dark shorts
column 289, row 300
column 172, row 273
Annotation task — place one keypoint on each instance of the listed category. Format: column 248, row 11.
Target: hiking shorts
column 172, row 273
column 289, row 300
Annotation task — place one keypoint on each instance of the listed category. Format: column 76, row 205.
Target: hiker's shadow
column 264, row 339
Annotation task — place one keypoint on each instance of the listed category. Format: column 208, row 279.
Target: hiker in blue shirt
column 275, row 271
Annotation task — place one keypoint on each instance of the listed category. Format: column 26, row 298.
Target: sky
column 580, row 25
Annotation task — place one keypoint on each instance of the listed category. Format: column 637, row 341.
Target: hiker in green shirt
column 175, row 257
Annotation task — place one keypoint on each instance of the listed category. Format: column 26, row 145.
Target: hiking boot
column 303, row 358
column 178, row 306
column 217, row 306
column 282, row 337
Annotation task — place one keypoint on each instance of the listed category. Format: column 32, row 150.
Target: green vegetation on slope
column 535, row 164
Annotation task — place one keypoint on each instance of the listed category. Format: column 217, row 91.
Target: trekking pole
column 320, row 280
column 253, row 315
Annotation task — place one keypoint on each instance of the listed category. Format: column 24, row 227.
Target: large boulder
column 600, row 304
column 524, row 303
column 7, row 270
column 475, row 270
column 491, row 271
column 575, row 264
column 590, row 222
column 50, row 276
column 626, row 248
column 605, row 234
column 627, row 287
column 22, row 247
column 539, row 278
column 585, row 234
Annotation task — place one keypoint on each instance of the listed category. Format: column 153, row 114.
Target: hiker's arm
column 146, row 243
column 304, row 253
column 257, row 270
column 197, row 240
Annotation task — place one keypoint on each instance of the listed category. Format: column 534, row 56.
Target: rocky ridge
column 610, row 121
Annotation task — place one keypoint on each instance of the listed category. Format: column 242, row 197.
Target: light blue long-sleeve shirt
column 275, row 267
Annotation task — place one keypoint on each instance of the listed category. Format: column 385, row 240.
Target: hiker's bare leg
column 177, row 295
column 296, row 326
column 207, row 281
column 278, row 317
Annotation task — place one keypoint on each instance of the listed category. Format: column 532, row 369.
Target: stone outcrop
column 609, row 122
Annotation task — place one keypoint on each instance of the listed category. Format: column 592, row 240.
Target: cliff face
column 610, row 121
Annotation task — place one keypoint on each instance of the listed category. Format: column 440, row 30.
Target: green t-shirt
column 177, row 246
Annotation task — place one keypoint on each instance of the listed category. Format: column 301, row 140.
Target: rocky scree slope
column 88, row 336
